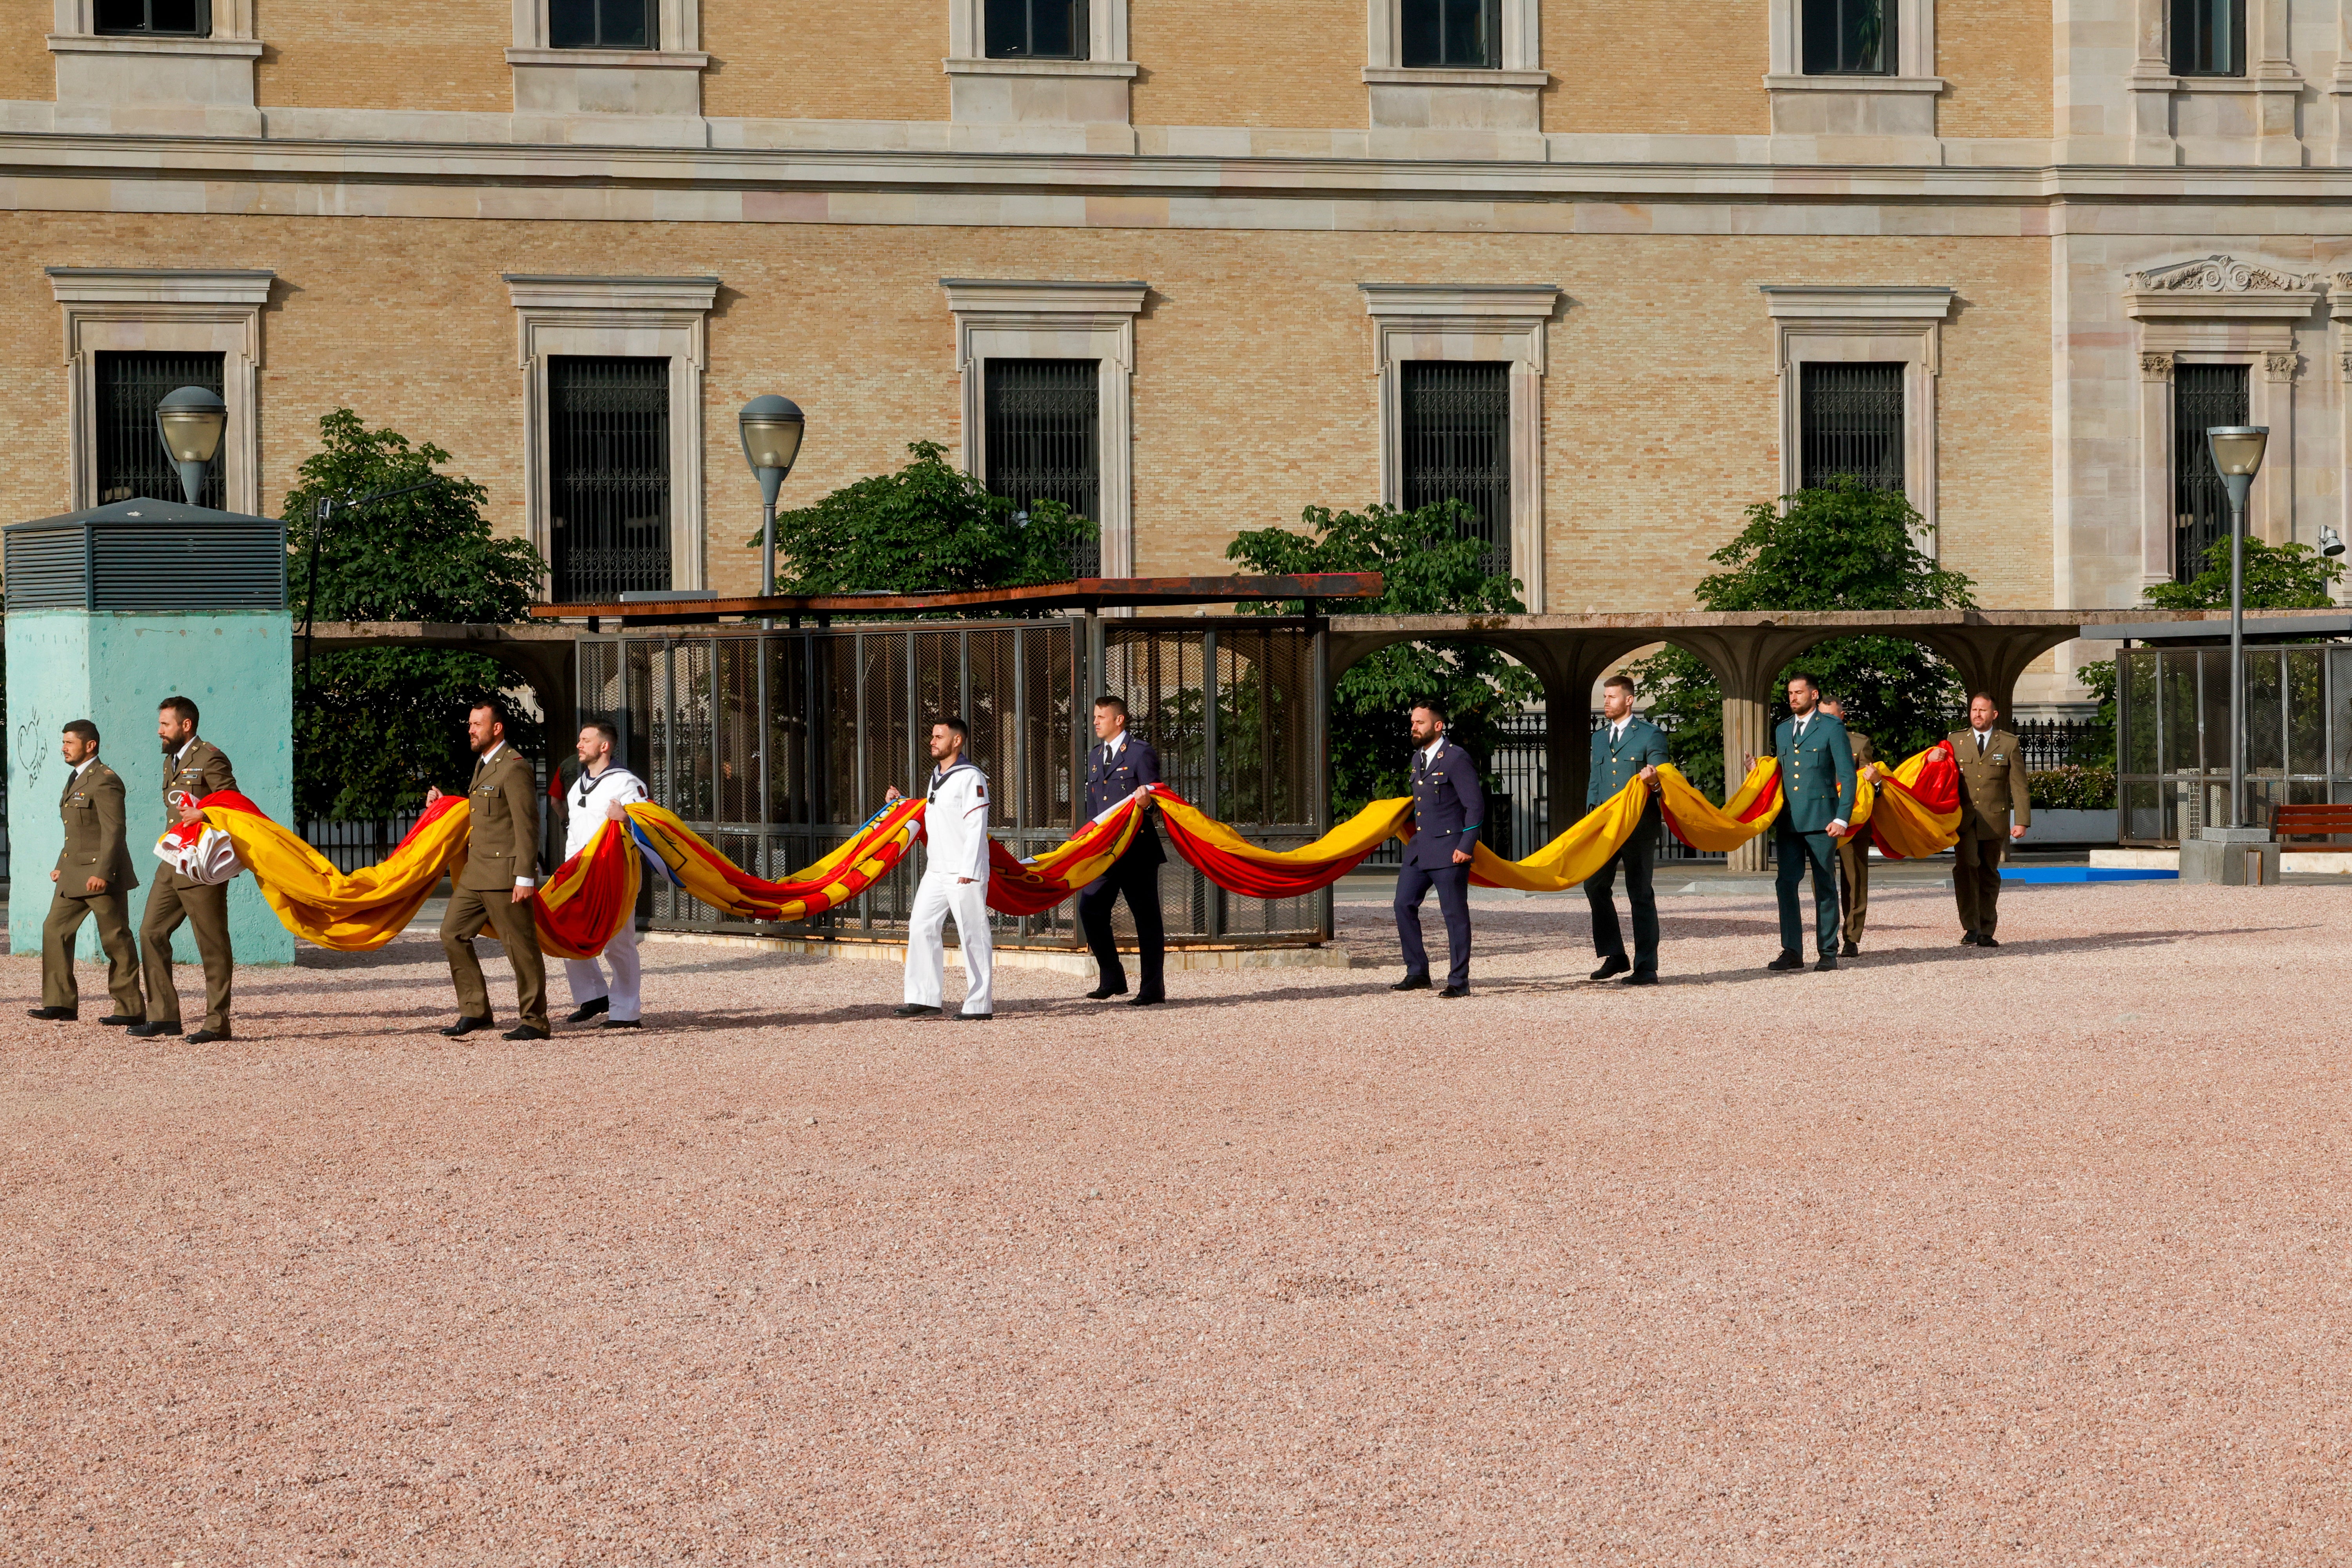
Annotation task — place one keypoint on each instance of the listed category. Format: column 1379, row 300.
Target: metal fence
column 351, row 845
column 778, row 744
column 2173, row 727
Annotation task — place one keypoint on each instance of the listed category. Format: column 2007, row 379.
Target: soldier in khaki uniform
column 1854, row 854
column 93, row 876
column 1992, row 792
column 192, row 769
column 494, row 886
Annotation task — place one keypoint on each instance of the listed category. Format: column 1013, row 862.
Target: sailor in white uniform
column 603, row 789
column 955, row 881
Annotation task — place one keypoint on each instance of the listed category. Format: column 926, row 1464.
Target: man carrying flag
column 955, row 881
column 599, row 792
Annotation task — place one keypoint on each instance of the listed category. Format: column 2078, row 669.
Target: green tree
column 1430, row 565
column 372, row 727
column 928, row 527
column 1841, row 546
column 2278, row 577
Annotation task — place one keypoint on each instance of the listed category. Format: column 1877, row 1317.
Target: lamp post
column 772, row 428
column 2330, row 542
column 191, row 422
column 2238, row 453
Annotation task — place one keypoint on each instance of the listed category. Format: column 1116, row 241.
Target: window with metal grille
column 1850, row 422
column 2204, row 395
column 1456, row 445
column 130, row 458
column 1044, row 440
column 608, row 477
column 163, row 18
column 1850, row 38
column 1036, row 29
column 1451, row 33
column 2209, row 38
column 604, row 25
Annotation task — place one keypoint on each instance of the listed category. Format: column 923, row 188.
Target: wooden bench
column 2311, row 821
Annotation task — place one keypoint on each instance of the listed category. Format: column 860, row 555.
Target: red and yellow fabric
column 351, row 912
column 1917, row 811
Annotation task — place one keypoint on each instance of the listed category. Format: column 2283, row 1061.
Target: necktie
column 1979, row 745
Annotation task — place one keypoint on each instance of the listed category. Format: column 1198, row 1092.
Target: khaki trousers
column 204, row 910
column 469, row 910
column 1853, row 883
column 1975, row 882
column 57, row 933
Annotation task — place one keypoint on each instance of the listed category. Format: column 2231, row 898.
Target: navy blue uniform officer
column 1447, row 808
column 1118, row 765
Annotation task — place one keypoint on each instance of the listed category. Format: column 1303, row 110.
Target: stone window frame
column 1867, row 323
column 115, row 81
column 1471, row 323
column 1091, row 90
column 1007, row 318
column 2150, row 86
column 1414, row 97
column 1902, row 105
column 2218, row 309
column 170, row 310
column 667, row 80
column 648, row 318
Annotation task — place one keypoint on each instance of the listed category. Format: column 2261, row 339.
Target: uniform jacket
column 1864, row 753
column 1992, row 785
column 1817, row 780
column 1642, row 745
column 91, row 807
column 1108, row 782
column 199, row 770
column 955, row 823
column 586, row 800
column 502, row 844
column 1448, row 807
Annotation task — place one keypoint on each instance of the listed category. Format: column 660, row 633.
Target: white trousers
column 587, row 980
column 938, row 895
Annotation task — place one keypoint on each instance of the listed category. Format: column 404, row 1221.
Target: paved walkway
column 2036, row 1256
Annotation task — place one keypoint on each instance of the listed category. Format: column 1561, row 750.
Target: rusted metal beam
column 1084, row 593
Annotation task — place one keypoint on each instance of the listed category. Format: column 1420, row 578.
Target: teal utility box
column 110, row 611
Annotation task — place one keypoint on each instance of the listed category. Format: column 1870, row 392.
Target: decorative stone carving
column 2281, row 366
column 2343, row 363
column 2220, row 275
column 2156, row 367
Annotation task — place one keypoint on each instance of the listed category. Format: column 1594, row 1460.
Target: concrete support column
column 1746, row 732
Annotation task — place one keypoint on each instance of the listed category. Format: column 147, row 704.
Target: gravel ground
column 2035, row 1256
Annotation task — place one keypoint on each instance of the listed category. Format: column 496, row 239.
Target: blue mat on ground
column 2086, row 874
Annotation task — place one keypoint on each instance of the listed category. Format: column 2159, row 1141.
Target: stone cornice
column 99, row 158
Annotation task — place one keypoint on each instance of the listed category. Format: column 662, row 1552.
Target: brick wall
column 1998, row 57
column 1658, row 67
column 867, row 59
column 322, row 54
column 1210, row 62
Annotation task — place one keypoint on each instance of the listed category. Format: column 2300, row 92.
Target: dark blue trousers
column 1453, row 885
column 1795, row 851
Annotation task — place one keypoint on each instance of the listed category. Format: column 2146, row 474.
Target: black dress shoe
column 1146, row 999
column 588, row 1009
column 123, row 1019
column 1609, row 966
column 1987, row 942
column 914, row 1010
column 52, row 1015
column 1105, row 992
column 154, row 1027
column 464, row 1027
column 620, row 1023
column 974, row 1017
column 1969, row 939
column 1852, row 950
column 1640, row 977
column 1453, row 993
column 525, row 1031
column 1787, row 960
column 204, row 1036
column 1829, row 961
column 1411, row 982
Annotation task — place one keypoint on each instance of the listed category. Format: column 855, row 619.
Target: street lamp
column 2330, row 542
column 772, row 428
column 2236, row 453
column 191, row 422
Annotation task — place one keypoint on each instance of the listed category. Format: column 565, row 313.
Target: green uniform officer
column 1817, row 788
column 94, row 879
column 192, row 769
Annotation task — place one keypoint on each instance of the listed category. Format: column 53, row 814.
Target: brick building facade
column 1637, row 268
